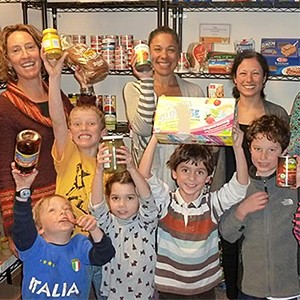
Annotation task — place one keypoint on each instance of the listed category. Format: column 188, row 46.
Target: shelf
column 94, row 7
column 188, row 75
column 227, row 76
column 252, row 6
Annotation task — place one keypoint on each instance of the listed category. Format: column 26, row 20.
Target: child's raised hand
column 237, row 135
column 102, row 156
column 135, row 72
column 251, row 204
column 86, row 222
column 124, row 157
column 23, row 180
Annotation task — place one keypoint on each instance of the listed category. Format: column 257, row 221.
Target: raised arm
column 23, row 231
column 140, row 102
column 241, row 163
column 56, row 108
column 97, row 185
column 147, row 158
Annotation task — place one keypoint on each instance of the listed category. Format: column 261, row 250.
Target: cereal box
column 282, row 55
column 205, row 121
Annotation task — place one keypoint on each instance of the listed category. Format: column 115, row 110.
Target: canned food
column 79, row 38
column 113, row 142
column 109, row 104
column 96, row 39
column 286, row 171
column 143, row 62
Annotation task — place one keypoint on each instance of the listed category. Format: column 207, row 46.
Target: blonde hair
column 40, row 205
column 85, row 107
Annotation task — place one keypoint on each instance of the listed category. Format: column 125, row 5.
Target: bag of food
column 94, row 67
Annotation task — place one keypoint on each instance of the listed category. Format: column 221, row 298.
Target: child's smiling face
column 264, row 155
column 123, row 200
column 191, row 178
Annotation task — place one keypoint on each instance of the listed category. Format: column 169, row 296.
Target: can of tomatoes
column 286, row 171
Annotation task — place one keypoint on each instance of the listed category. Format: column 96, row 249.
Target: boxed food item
column 197, row 55
column 206, row 121
column 220, row 62
column 282, row 55
column 215, row 90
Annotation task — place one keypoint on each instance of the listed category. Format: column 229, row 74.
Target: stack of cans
column 108, row 50
column 96, row 42
column 79, row 38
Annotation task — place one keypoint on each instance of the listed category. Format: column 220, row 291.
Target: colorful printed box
column 206, row 121
column 282, row 55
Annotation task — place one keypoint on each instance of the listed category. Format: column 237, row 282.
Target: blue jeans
column 95, row 278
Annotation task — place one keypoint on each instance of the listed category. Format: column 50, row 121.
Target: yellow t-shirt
column 75, row 174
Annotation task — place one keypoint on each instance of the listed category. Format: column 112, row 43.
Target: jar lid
column 112, row 137
column 49, row 30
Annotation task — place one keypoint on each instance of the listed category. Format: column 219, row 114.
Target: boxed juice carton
column 199, row 120
column 282, row 55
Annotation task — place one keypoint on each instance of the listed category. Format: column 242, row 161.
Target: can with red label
column 286, row 171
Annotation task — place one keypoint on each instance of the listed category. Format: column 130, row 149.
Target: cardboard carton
column 282, row 55
column 205, row 121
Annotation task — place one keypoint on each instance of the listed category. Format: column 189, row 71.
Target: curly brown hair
column 7, row 75
column 272, row 127
column 192, row 153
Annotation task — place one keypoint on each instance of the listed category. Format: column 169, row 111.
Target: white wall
column 243, row 25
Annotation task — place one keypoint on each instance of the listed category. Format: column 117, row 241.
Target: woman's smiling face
column 164, row 54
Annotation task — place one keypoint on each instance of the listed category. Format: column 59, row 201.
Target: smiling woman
column 250, row 75
column 141, row 96
column 24, row 105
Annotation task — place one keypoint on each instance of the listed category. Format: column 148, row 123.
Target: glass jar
column 28, row 145
column 51, row 43
column 113, row 142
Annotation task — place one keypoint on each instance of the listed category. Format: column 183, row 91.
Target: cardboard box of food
column 206, row 121
column 282, row 55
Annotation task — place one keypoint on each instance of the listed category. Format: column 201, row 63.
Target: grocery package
column 244, row 45
column 94, row 67
column 220, row 62
column 282, row 55
column 215, row 90
column 196, row 55
column 206, row 121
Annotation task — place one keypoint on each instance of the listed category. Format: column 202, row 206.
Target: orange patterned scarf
column 24, row 104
